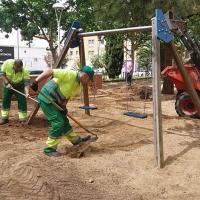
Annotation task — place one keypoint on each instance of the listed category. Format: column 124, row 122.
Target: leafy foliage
column 34, row 19
column 114, row 55
column 98, row 61
column 144, row 55
column 37, row 19
column 48, row 59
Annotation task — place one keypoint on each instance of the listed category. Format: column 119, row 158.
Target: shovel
column 94, row 139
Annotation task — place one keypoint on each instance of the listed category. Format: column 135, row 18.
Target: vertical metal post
column 58, row 21
column 58, row 37
column 157, row 110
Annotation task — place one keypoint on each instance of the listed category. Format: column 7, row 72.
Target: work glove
column 8, row 86
column 64, row 111
column 34, row 86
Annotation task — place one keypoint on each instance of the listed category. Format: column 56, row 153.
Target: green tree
column 144, row 55
column 114, row 55
column 98, row 61
column 123, row 14
column 37, row 19
column 33, row 18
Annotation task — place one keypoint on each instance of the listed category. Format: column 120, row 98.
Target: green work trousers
column 59, row 126
column 6, row 102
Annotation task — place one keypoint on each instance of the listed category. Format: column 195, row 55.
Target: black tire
column 185, row 107
column 179, row 92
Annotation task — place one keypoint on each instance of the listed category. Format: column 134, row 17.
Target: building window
column 92, row 43
column 102, row 42
column 71, row 54
column 89, row 43
column 77, row 54
column 90, row 54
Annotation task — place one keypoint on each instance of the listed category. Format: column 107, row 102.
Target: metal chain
column 145, row 98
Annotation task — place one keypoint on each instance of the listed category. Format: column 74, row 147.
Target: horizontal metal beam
column 115, row 31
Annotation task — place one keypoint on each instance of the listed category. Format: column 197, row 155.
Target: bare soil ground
column 120, row 165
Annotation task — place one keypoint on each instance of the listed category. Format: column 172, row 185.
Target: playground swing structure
column 130, row 113
column 91, row 107
column 75, row 39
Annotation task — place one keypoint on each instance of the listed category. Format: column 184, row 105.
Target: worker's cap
column 89, row 71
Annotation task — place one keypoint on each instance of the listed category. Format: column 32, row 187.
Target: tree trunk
column 168, row 86
column 53, row 52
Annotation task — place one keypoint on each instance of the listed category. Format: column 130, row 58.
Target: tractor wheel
column 179, row 92
column 185, row 107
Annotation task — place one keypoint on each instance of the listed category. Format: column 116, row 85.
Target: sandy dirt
column 120, row 165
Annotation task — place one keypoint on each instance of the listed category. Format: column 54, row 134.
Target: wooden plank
column 157, row 109
column 33, row 113
column 65, row 49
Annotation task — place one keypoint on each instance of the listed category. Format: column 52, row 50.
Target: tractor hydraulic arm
column 179, row 27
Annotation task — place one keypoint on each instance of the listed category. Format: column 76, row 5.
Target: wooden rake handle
column 24, row 95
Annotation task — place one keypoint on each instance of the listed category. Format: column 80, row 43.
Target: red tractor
column 184, row 105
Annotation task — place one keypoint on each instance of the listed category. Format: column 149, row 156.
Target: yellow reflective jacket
column 64, row 85
column 15, row 79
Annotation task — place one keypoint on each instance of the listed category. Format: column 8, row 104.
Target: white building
column 32, row 56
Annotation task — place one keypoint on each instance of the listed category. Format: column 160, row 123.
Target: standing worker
column 64, row 86
column 129, row 76
column 14, row 75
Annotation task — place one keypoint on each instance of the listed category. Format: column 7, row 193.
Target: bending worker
column 64, row 86
column 14, row 75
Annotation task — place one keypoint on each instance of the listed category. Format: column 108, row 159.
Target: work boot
column 82, row 139
column 3, row 121
column 86, row 138
column 53, row 153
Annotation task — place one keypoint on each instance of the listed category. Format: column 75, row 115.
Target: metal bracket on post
column 162, row 29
